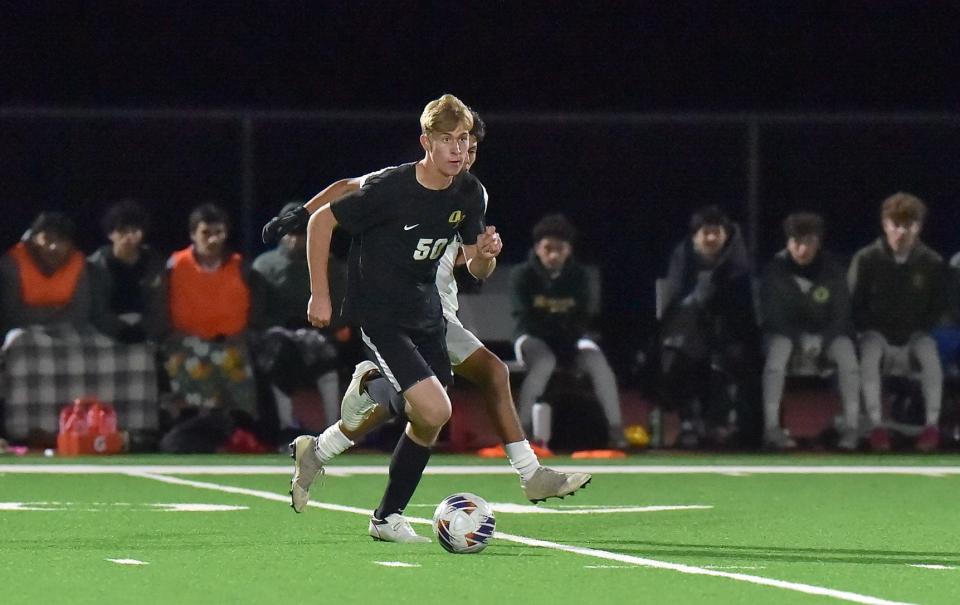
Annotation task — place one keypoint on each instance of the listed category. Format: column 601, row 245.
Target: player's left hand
column 489, row 244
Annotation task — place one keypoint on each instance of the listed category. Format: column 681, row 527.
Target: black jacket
column 150, row 293
column 895, row 299
column 552, row 309
column 711, row 304
column 823, row 309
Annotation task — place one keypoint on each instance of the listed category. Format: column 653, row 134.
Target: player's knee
column 499, row 373
column 493, row 371
column 436, row 415
column 429, row 412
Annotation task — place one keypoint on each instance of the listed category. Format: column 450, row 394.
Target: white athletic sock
column 331, row 443
column 522, row 459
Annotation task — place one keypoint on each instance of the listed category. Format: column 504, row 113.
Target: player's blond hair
column 445, row 114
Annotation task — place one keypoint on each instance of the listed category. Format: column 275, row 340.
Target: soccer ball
column 463, row 523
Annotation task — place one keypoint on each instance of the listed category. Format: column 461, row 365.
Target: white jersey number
column 429, row 248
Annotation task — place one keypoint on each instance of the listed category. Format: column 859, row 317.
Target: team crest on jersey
column 456, row 217
column 918, row 281
column 821, row 295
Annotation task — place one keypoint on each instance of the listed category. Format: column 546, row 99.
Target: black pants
column 709, row 388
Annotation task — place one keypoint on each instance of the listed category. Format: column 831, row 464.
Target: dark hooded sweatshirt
column 897, row 299
column 553, row 309
column 810, row 299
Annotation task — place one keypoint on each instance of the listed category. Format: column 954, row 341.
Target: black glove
column 279, row 226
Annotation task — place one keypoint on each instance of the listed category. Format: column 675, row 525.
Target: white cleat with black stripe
column 356, row 405
column 395, row 528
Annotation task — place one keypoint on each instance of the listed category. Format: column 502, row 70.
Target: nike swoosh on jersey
column 409, row 227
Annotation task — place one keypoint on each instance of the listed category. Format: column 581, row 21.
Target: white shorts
column 461, row 343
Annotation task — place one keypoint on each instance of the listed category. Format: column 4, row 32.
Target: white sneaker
column 395, row 528
column 356, row 405
column 548, row 483
column 306, row 468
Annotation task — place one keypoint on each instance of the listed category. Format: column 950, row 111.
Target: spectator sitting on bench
column 291, row 354
column 898, row 287
column 805, row 306
column 209, row 298
column 550, row 296
column 709, row 340
column 44, row 277
column 45, row 292
column 127, row 277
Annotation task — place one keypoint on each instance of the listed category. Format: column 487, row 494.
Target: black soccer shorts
column 407, row 356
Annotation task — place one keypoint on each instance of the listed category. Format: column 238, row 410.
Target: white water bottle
column 542, row 423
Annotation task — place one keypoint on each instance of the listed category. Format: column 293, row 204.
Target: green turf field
column 649, row 529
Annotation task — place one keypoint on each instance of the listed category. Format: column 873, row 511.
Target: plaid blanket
column 47, row 367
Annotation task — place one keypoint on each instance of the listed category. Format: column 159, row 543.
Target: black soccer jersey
column 400, row 230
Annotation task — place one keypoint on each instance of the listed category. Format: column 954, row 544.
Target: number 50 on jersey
column 430, row 248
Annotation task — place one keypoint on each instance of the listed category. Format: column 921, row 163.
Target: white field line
column 589, row 552
column 530, row 509
column 12, row 506
column 182, row 507
column 396, row 564
column 505, row 469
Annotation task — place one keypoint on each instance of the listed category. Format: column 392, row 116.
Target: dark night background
column 627, row 116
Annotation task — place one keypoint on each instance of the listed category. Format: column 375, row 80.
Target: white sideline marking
column 197, row 507
column 8, row 506
column 396, row 564
column 526, row 509
column 187, row 507
column 128, row 562
column 609, row 566
column 561, row 509
column 930, row 566
column 589, row 552
column 243, row 491
column 702, row 571
column 337, row 471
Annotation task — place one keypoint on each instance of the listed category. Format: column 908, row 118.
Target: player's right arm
column 279, row 226
column 319, row 232
column 365, row 207
column 333, row 193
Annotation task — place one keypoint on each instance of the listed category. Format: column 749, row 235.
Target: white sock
column 522, row 459
column 331, row 443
